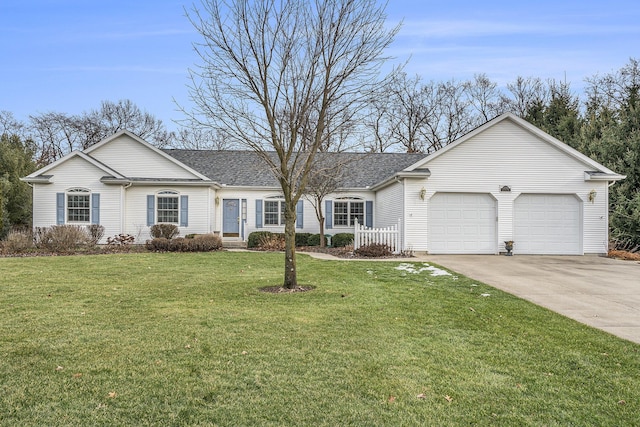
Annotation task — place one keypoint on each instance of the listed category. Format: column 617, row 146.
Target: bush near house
column 17, row 242
column 302, row 239
column 61, row 238
column 199, row 243
column 342, row 239
column 167, row 231
column 313, row 240
column 253, row 241
column 374, row 250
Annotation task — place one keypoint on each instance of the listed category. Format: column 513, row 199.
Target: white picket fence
column 390, row 236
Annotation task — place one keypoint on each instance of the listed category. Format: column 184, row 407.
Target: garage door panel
column 547, row 224
column 462, row 223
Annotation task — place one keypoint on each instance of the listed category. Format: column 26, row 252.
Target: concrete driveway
column 600, row 292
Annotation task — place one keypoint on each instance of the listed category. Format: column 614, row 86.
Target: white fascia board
column 401, row 175
column 603, row 177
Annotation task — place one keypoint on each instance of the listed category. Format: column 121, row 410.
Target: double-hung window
column 78, row 206
column 347, row 211
column 168, row 207
column 273, row 212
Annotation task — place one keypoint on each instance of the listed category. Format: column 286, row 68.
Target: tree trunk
column 323, row 241
column 290, row 272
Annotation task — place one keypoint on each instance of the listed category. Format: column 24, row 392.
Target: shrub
column 273, row 242
column 206, row 243
column 17, row 241
column 253, row 241
column 199, row 243
column 96, row 232
column 159, row 244
column 313, row 240
column 168, row 231
column 302, row 239
column 179, row 244
column 341, row 239
column 62, row 238
column 121, row 239
column 374, row 250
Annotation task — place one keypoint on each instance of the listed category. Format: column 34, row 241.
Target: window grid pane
column 168, row 209
column 78, row 208
column 341, row 213
column 282, row 222
column 271, row 212
column 357, row 212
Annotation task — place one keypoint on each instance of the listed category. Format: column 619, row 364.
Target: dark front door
column 231, row 217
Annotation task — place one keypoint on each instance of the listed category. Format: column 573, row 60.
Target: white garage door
column 462, row 223
column 547, row 224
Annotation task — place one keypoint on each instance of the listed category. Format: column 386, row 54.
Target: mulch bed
column 624, row 255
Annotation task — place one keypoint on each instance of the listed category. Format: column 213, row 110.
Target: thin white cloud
column 479, row 28
column 118, row 69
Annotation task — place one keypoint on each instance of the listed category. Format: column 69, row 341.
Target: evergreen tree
column 16, row 161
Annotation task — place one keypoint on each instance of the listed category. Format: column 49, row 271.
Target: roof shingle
column 246, row 168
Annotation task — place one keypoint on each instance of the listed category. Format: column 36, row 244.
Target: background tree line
column 405, row 113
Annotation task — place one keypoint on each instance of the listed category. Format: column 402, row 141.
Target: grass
column 187, row 339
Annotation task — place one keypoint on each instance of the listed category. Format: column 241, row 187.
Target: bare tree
column 270, row 67
column 56, row 134
column 9, row 125
column 485, row 98
column 326, row 177
column 525, row 93
column 200, row 139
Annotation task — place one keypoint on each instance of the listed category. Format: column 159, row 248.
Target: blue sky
column 69, row 55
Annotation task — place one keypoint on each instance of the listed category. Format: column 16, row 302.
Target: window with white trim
column 168, row 207
column 346, row 211
column 274, row 212
column 78, row 205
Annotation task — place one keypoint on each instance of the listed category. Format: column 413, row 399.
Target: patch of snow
column 411, row 268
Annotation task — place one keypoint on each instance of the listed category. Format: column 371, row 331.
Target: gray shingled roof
column 245, row 168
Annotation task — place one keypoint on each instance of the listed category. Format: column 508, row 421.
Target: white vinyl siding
column 67, row 176
column 200, row 214
column 130, row 158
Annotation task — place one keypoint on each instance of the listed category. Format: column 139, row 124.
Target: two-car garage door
column 547, row 224
column 462, row 223
column 466, row 223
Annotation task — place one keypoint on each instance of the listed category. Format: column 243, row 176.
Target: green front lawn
column 188, row 339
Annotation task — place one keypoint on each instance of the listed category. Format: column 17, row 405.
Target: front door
column 231, row 218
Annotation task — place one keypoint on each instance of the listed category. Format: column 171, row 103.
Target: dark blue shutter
column 95, row 208
column 59, row 208
column 300, row 214
column 258, row 213
column 151, row 214
column 368, row 218
column 184, row 211
column 328, row 213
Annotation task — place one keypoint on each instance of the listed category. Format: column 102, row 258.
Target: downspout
column 123, row 203
column 403, row 218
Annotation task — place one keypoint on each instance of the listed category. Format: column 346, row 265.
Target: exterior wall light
column 592, row 195
column 423, row 193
